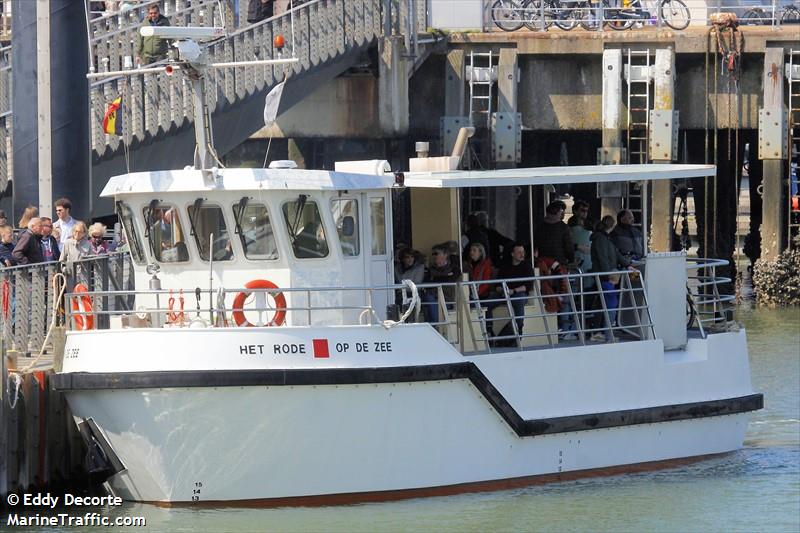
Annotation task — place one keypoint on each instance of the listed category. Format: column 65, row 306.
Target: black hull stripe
column 81, row 381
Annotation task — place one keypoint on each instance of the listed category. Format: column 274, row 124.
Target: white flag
column 271, row 103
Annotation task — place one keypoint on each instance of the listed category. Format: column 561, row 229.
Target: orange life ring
column 280, row 303
column 82, row 304
column 174, row 317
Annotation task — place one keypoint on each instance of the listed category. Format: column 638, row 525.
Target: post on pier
column 454, row 95
column 663, row 147
column 393, row 86
column 772, row 143
column 612, row 151
column 507, row 122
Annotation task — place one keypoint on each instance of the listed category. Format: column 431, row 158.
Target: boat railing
column 557, row 310
column 709, row 308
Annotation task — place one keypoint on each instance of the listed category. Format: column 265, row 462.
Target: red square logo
column 321, row 348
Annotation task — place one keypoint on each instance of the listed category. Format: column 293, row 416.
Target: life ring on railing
column 280, row 304
column 82, row 304
column 6, row 298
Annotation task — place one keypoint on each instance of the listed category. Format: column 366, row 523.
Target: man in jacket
column 606, row 257
column 627, row 237
column 29, row 249
column 151, row 49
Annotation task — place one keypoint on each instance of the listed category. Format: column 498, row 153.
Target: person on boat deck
column 151, row 49
column 475, row 234
column 627, row 237
column 581, row 233
column 442, row 270
column 553, row 237
column 28, row 249
column 518, row 272
column 606, row 257
column 410, row 266
column 50, row 251
column 3, row 218
column 6, row 246
column 480, row 269
column 499, row 245
column 30, row 212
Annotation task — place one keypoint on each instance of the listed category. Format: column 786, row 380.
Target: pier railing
column 537, row 15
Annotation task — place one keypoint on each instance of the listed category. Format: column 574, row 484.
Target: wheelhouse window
column 305, row 228
column 165, row 233
column 210, row 232
column 377, row 219
column 255, row 231
column 345, row 216
column 130, row 238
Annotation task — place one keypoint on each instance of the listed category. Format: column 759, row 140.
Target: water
column 755, row 489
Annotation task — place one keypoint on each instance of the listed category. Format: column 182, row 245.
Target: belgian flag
column 112, row 121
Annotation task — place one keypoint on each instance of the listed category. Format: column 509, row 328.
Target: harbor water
column 755, row 489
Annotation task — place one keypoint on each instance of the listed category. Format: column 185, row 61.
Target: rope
column 413, row 306
column 6, row 298
column 59, row 280
column 17, row 381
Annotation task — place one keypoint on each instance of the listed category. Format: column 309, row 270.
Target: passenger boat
column 261, row 362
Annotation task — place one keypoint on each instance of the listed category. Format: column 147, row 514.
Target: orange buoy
column 280, row 304
column 279, row 42
column 82, row 304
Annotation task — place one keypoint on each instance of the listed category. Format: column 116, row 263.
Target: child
column 6, row 246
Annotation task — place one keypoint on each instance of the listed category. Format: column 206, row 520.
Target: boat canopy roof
column 555, row 175
column 244, row 179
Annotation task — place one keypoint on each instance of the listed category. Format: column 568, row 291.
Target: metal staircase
column 793, row 78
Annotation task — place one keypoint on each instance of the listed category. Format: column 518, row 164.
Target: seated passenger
column 409, row 266
column 442, row 270
column 480, row 269
column 518, row 292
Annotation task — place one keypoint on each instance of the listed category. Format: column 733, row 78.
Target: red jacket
column 480, row 271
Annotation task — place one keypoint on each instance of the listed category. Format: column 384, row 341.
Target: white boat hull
column 326, row 431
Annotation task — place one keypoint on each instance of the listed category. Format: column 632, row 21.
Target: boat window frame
column 305, row 199
column 147, row 212
column 237, row 227
column 383, row 238
column 131, row 233
column 356, row 233
column 201, row 203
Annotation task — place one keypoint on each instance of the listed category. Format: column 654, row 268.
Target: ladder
column 793, row 218
column 481, row 75
column 639, row 78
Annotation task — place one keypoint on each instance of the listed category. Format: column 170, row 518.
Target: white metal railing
column 541, row 15
column 709, row 307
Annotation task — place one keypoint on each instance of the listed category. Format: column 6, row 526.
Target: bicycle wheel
column 507, row 14
column 590, row 15
column 617, row 18
column 532, row 16
column 791, row 15
column 563, row 17
column 754, row 16
column 675, row 14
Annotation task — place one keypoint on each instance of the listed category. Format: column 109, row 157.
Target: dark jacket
column 153, row 48
column 629, row 240
column 450, row 273
column 605, row 255
column 56, row 253
column 554, row 240
column 5, row 253
column 512, row 271
column 28, row 249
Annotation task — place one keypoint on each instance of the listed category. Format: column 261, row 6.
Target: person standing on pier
column 28, row 249
column 151, row 49
column 50, row 251
column 62, row 228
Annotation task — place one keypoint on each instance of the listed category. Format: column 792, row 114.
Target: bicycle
column 553, row 12
column 790, row 14
column 673, row 13
column 508, row 14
